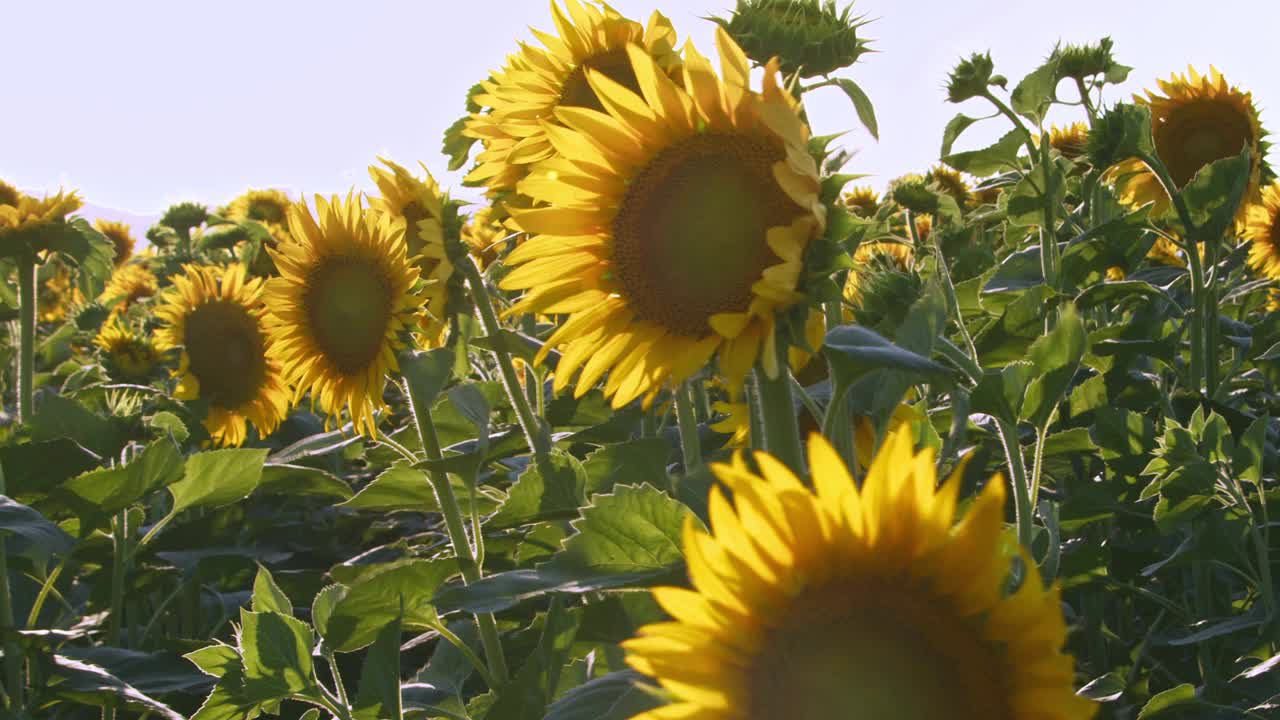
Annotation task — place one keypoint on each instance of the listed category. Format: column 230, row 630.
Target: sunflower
column 482, row 234
column 875, row 256
column 216, row 316
column 25, row 218
column 862, row 201
column 120, row 237
column 1072, row 141
column 847, row 601
column 952, row 183
column 1273, row 300
column 129, row 284
column 520, row 101
column 269, row 208
column 675, row 225
column 1262, row 230
column 58, row 295
column 418, row 206
column 132, row 356
column 343, row 298
column 1198, row 120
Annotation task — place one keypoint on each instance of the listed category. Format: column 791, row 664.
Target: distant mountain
column 138, row 223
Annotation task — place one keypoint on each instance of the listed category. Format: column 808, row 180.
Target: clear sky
column 142, row 103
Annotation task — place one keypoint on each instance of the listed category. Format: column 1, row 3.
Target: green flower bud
column 810, row 37
column 971, row 78
column 913, row 193
column 185, row 215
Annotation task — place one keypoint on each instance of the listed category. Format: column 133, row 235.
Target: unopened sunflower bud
column 913, row 193
column 810, row 37
column 183, row 216
column 971, row 78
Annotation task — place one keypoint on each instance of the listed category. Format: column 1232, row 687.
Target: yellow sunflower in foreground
column 128, row 284
column 856, row 602
column 1198, row 120
column 862, row 201
column 132, row 356
column 1262, row 230
column 25, row 216
column 342, row 301
column 521, row 99
column 120, row 237
column 674, row 225
column 216, row 317
column 419, row 207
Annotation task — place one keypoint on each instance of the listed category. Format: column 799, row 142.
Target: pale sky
column 140, row 104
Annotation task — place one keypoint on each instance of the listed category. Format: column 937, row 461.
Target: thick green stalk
column 533, row 431
column 778, row 415
column 118, row 575
column 944, row 272
column 27, row 337
column 13, row 655
column 687, row 420
column 1048, row 233
column 1018, row 477
column 471, row 571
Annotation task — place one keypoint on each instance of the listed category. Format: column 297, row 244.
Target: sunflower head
column 269, row 208
column 9, row 194
column 1086, row 61
column 882, row 285
column 862, row 201
column 1198, row 120
column 417, row 206
column 128, row 285
column 131, row 356
column 856, row 601
column 482, row 234
column 519, row 104
column 950, row 182
column 58, row 296
column 1262, row 231
column 120, row 237
column 809, row 37
column 673, row 228
column 341, row 305
column 215, row 317
column 913, row 193
column 184, row 216
column 24, row 222
column 1273, row 300
column 971, row 77
column 1072, row 141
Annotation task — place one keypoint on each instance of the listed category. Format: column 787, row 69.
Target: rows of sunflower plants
column 682, row 422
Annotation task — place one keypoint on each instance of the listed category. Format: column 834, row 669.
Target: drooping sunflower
column 519, row 101
column 129, row 284
column 862, row 201
column 1198, row 120
column 131, row 356
column 215, row 316
column 674, row 225
column 120, row 237
column 876, row 256
column 269, row 207
column 1072, row 141
column 340, row 305
column 418, row 205
column 851, row 602
column 1262, row 230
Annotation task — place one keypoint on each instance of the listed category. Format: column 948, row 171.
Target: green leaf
column 536, row 497
column 58, row 417
column 1214, row 195
column 427, row 373
column 1056, row 357
column 1024, row 204
column 376, row 599
column 218, row 477
column 216, row 660
column 616, row 696
column 1075, row 440
column 1123, row 132
column 324, row 603
column 1180, row 696
column 89, row 684
column 39, row 466
column 990, row 160
column 101, row 493
column 267, row 596
column 1000, row 392
column 1250, row 452
column 1033, row 95
column 862, row 105
column 170, row 424
column 379, row 693
column 277, row 655
column 1021, row 322
column 228, row 700
column 282, row 479
column 399, row 487
column 853, row 349
column 36, row 537
column 951, row 133
column 628, row 463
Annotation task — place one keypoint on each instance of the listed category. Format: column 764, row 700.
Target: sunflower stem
column 471, row 571
column 952, row 299
column 1018, row 472
column 778, row 414
column 13, row 655
column 687, row 420
column 120, row 538
column 27, row 338
column 538, row 441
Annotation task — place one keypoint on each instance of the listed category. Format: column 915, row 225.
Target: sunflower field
column 684, row 421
